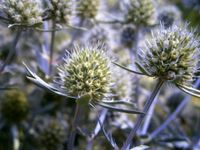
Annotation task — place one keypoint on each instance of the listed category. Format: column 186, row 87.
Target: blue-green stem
column 15, row 136
column 12, row 51
column 52, row 46
column 140, row 118
column 74, row 128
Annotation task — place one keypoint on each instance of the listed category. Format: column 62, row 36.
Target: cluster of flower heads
column 86, row 72
column 171, row 54
column 140, row 12
column 60, row 10
column 22, row 12
column 87, row 8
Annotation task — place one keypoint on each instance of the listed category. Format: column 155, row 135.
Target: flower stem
column 12, row 51
column 141, row 116
column 173, row 115
column 74, row 127
column 52, row 46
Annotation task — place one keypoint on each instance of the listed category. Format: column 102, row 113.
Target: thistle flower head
column 168, row 15
column 141, row 12
column 61, row 10
column 171, row 54
column 87, row 8
column 22, row 12
column 14, row 106
column 86, row 72
column 51, row 135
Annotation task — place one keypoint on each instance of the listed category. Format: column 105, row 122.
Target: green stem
column 52, row 46
column 74, row 127
column 141, row 116
column 12, row 51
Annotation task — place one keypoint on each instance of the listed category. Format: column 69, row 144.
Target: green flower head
column 22, row 12
column 51, row 135
column 60, row 10
column 86, row 72
column 87, row 8
column 141, row 12
column 14, row 106
column 171, row 54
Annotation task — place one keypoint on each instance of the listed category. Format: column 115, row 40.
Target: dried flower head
column 60, row 10
column 14, row 106
column 22, row 12
column 168, row 15
column 141, row 12
column 171, row 54
column 87, row 8
column 86, row 72
column 51, row 135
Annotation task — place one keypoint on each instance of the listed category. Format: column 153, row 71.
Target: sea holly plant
column 171, row 56
column 85, row 77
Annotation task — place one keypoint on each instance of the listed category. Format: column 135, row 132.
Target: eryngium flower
column 171, row 54
column 86, row 72
column 14, row 106
column 61, row 10
column 168, row 15
column 128, row 36
column 22, row 12
column 141, row 12
column 51, row 135
column 87, row 8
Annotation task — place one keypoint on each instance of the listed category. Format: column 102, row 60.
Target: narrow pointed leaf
column 127, row 69
column 120, row 109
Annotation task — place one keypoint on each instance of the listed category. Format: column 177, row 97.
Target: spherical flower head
column 86, row 72
column 141, row 12
column 168, row 15
column 22, row 12
column 87, row 9
column 171, row 54
column 51, row 135
column 14, row 106
column 61, row 10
